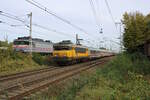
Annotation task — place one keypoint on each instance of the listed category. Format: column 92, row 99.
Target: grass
column 123, row 78
column 13, row 62
column 135, row 88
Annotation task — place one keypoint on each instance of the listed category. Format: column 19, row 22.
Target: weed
column 120, row 79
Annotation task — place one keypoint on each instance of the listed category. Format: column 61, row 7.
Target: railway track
column 40, row 80
column 24, row 74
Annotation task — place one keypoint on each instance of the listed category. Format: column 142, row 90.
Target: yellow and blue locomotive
column 67, row 52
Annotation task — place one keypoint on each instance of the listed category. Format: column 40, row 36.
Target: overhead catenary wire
column 99, row 11
column 37, row 25
column 94, row 13
column 14, row 26
column 40, row 6
column 53, row 30
column 12, row 17
column 115, row 24
column 109, row 10
column 25, row 23
column 8, row 24
column 43, row 8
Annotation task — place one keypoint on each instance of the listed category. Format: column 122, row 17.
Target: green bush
column 120, row 79
column 119, row 67
column 4, row 44
column 70, row 92
column 42, row 59
column 12, row 62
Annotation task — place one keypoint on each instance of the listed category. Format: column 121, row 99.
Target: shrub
column 120, row 79
column 41, row 59
column 11, row 61
column 119, row 67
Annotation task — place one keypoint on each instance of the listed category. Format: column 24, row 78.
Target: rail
column 18, row 91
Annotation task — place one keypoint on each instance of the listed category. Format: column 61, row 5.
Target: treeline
column 136, row 31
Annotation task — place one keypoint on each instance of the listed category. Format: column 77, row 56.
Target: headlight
column 55, row 55
column 64, row 55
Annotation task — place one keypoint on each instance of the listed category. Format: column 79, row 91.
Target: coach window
column 33, row 45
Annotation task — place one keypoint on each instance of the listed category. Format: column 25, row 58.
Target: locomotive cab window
column 21, row 42
column 62, row 48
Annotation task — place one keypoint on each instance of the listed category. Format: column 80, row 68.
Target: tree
column 147, row 18
column 136, row 30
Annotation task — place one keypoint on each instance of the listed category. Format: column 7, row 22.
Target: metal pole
column 119, row 23
column 120, row 39
column 76, row 39
column 30, row 15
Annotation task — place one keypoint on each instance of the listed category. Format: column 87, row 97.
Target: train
column 22, row 44
column 62, row 53
column 66, row 52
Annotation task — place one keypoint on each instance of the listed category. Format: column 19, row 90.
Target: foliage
column 2, row 43
column 123, row 78
column 137, row 30
column 135, row 88
column 42, row 59
column 12, row 62
column 136, row 63
column 70, row 92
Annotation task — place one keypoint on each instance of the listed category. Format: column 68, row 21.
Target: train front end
column 21, row 45
column 67, row 53
column 62, row 54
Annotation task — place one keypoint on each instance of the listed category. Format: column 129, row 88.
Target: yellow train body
column 67, row 54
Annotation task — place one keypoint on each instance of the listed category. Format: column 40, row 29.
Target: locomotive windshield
column 21, row 42
column 62, row 48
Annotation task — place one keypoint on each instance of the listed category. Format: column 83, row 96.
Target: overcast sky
column 78, row 12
